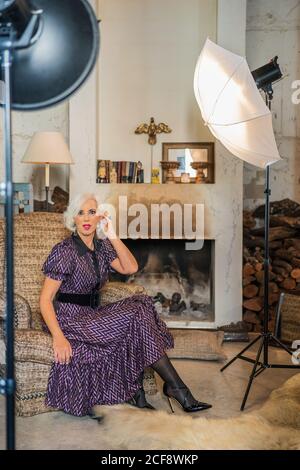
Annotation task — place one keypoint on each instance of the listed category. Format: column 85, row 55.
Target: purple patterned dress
column 111, row 344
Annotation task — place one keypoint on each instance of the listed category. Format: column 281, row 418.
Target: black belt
column 88, row 300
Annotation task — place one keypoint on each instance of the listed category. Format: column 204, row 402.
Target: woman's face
column 87, row 219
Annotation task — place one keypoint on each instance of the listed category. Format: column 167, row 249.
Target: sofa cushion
column 115, row 290
column 197, row 344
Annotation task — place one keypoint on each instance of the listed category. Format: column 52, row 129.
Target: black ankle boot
column 139, row 400
column 184, row 397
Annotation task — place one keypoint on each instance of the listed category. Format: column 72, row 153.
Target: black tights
column 167, row 372
column 175, row 386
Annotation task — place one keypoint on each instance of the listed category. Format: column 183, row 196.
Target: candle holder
column 168, row 169
column 200, row 167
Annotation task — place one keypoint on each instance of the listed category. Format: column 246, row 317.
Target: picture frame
column 186, row 152
column 22, row 199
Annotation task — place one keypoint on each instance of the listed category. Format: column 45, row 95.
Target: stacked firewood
column 284, row 269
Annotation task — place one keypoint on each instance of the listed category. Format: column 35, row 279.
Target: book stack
column 122, row 171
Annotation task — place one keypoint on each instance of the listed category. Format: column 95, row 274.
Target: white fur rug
column 276, row 426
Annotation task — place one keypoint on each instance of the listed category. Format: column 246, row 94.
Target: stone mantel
column 219, row 214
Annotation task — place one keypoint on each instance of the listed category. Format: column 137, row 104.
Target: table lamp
column 48, row 148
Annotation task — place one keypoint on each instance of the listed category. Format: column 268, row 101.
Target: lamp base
column 47, row 198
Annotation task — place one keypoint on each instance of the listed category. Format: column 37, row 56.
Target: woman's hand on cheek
column 107, row 226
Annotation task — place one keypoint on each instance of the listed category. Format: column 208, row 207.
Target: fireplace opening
column 180, row 281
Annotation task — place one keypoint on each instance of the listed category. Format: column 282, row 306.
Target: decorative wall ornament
column 152, row 129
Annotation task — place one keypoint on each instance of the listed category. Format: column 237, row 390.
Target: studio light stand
column 33, row 81
column 8, row 383
column 9, row 43
column 268, row 74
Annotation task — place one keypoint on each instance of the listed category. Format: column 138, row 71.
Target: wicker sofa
column 34, row 236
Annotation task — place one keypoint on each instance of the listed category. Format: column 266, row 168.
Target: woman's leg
column 174, row 387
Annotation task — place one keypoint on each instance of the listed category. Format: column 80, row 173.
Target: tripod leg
column 281, row 345
column 240, row 353
column 252, row 373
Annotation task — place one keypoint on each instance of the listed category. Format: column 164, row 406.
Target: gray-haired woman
column 101, row 351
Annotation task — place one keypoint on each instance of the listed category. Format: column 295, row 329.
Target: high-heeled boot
column 139, row 399
column 175, row 388
column 185, row 398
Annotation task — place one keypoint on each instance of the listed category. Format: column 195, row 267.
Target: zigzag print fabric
column 111, row 344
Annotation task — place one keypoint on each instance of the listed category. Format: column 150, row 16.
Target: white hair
column 75, row 206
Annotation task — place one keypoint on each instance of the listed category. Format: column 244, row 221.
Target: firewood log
column 251, row 317
column 250, row 291
column 284, row 264
column 248, row 270
column 284, row 221
column 285, row 207
column 292, row 242
column 295, row 262
column 260, row 276
column 288, row 284
column 259, row 242
column 273, row 298
column 248, row 280
column 281, row 271
column 295, row 273
column 259, row 267
column 259, row 256
column 275, row 233
column 273, row 288
column 255, row 304
column 284, row 254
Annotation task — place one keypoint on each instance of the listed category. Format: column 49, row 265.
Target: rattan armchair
column 34, row 236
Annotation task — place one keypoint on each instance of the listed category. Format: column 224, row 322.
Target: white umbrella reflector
column 232, row 106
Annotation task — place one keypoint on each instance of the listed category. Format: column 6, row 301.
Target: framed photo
column 200, row 154
column 22, row 199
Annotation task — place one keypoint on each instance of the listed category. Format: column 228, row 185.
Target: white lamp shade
column 232, row 106
column 48, row 147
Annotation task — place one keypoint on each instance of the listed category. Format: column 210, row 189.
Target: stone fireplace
column 180, row 281
column 222, row 225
